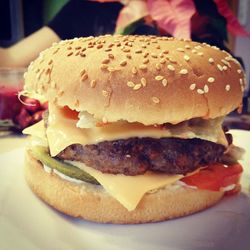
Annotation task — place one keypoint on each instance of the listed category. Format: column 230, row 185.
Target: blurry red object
column 10, row 106
column 17, row 114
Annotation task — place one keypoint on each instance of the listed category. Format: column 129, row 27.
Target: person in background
column 81, row 18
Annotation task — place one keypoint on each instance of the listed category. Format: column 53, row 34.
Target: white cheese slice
column 129, row 190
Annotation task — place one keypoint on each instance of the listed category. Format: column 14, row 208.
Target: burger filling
column 129, row 160
column 135, row 156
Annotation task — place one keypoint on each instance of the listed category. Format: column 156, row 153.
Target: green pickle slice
column 42, row 154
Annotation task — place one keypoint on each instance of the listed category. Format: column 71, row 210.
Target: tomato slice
column 69, row 113
column 215, row 177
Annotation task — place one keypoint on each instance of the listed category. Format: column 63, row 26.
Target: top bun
column 146, row 79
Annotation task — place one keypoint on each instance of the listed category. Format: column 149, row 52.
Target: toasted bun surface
column 151, row 80
column 92, row 203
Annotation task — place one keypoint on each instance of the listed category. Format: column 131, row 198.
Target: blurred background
column 19, row 19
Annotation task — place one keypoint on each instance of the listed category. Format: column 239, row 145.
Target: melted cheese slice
column 63, row 132
column 129, row 190
column 36, row 130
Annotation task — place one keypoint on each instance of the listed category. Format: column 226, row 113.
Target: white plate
column 27, row 223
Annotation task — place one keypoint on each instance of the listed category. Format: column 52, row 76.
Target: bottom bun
column 91, row 202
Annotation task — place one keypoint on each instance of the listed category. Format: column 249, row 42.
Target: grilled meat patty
column 135, row 156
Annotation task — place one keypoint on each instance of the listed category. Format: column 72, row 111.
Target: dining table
column 28, row 223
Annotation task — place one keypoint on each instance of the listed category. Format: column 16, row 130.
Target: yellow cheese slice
column 36, row 130
column 63, row 132
column 129, row 190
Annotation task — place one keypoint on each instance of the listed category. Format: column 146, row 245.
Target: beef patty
column 137, row 155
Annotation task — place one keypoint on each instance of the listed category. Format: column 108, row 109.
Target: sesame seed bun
column 92, row 203
column 151, row 80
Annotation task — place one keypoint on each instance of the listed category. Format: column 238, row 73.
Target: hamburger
column 133, row 131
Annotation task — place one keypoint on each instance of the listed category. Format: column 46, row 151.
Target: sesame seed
column 108, row 49
column 158, row 66
column 192, row 86
column 112, row 69
column 130, row 84
column 104, row 66
column 105, row 61
column 153, row 55
column 137, row 86
column 111, row 56
column 206, row 88
column 186, row 58
column 211, row 79
column 145, row 54
column 123, row 63
column 51, row 61
column 171, row 60
column 219, row 67
column 134, row 70
column 193, row 51
column 48, row 71
column 228, row 58
column 78, row 47
column 171, row 67
column 183, row 71
column 84, row 77
column 143, row 67
column 180, row 49
column 144, row 46
column 82, row 55
column 104, row 120
column 55, row 51
column 162, row 61
column 128, row 56
column 200, row 54
column 224, row 67
column 138, row 51
column 71, row 53
column 198, row 47
column 239, row 71
column 158, row 47
column 155, row 99
column 187, row 47
column 69, row 48
column 241, row 81
column 165, row 51
column 226, row 62
column 211, row 60
column 164, row 82
column 77, row 53
column 82, row 72
column 200, row 91
column 227, row 87
column 99, row 46
column 105, row 93
column 161, row 55
column 93, row 83
column 145, row 61
column 159, row 78
column 126, row 50
column 143, row 82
